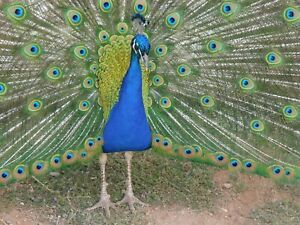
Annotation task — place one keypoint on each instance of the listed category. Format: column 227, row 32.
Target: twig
column 37, row 180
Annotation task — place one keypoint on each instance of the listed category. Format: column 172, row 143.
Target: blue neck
column 132, row 83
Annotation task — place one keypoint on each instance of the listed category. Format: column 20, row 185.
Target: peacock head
column 139, row 23
column 141, row 47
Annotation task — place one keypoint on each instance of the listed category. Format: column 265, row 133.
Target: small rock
column 224, row 210
column 54, row 174
column 227, row 185
column 22, row 203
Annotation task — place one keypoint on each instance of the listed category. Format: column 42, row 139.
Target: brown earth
column 233, row 206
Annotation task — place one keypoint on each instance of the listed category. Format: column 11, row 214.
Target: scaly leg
column 104, row 202
column 129, row 198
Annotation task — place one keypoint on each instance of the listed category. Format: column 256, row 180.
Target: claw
column 105, row 204
column 130, row 199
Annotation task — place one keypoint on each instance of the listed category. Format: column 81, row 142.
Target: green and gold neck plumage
column 221, row 87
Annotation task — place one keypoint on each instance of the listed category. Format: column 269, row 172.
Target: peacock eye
column 35, row 105
column 39, row 166
column 157, row 80
column 69, row 156
column 173, row 20
column 81, row 52
column 226, row 8
column 165, row 102
column 290, row 112
column 207, row 101
column 273, row 58
column 214, row 46
column 99, row 138
column 3, row 88
column 277, row 170
column 91, row 143
column 83, row 154
column 257, row 125
column 88, row 83
column 229, row 9
column 54, row 73
column 74, row 17
column 122, row 28
column 183, row 70
column 106, row 6
column 16, row 12
column 55, row 161
column 5, row 175
column 161, row 50
column 219, row 157
column 289, row 172
column 246, row 84
column 93, row 68
column 19, row 12
column 140, row 6
column 103, row 36
column 248, row 164
column 20, row 170
column 234, row 163
column 291, row 14
column 188, row 151
column 32, row 50
column 84, row 106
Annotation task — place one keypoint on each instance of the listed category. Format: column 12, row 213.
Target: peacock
column 215, row 82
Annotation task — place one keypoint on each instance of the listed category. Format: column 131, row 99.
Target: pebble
column 224, row 210
column 227, row 185
column 54, row 174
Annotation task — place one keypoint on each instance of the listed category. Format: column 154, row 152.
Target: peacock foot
column 104, row 203
column 130, row 199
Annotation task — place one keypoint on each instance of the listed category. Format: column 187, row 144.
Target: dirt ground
column 232, row 207
column 240, row 199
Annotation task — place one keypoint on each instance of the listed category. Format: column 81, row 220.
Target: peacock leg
column 104, row 202
column 129, row 197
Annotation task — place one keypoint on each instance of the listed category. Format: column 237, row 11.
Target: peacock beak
column 145, row 59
